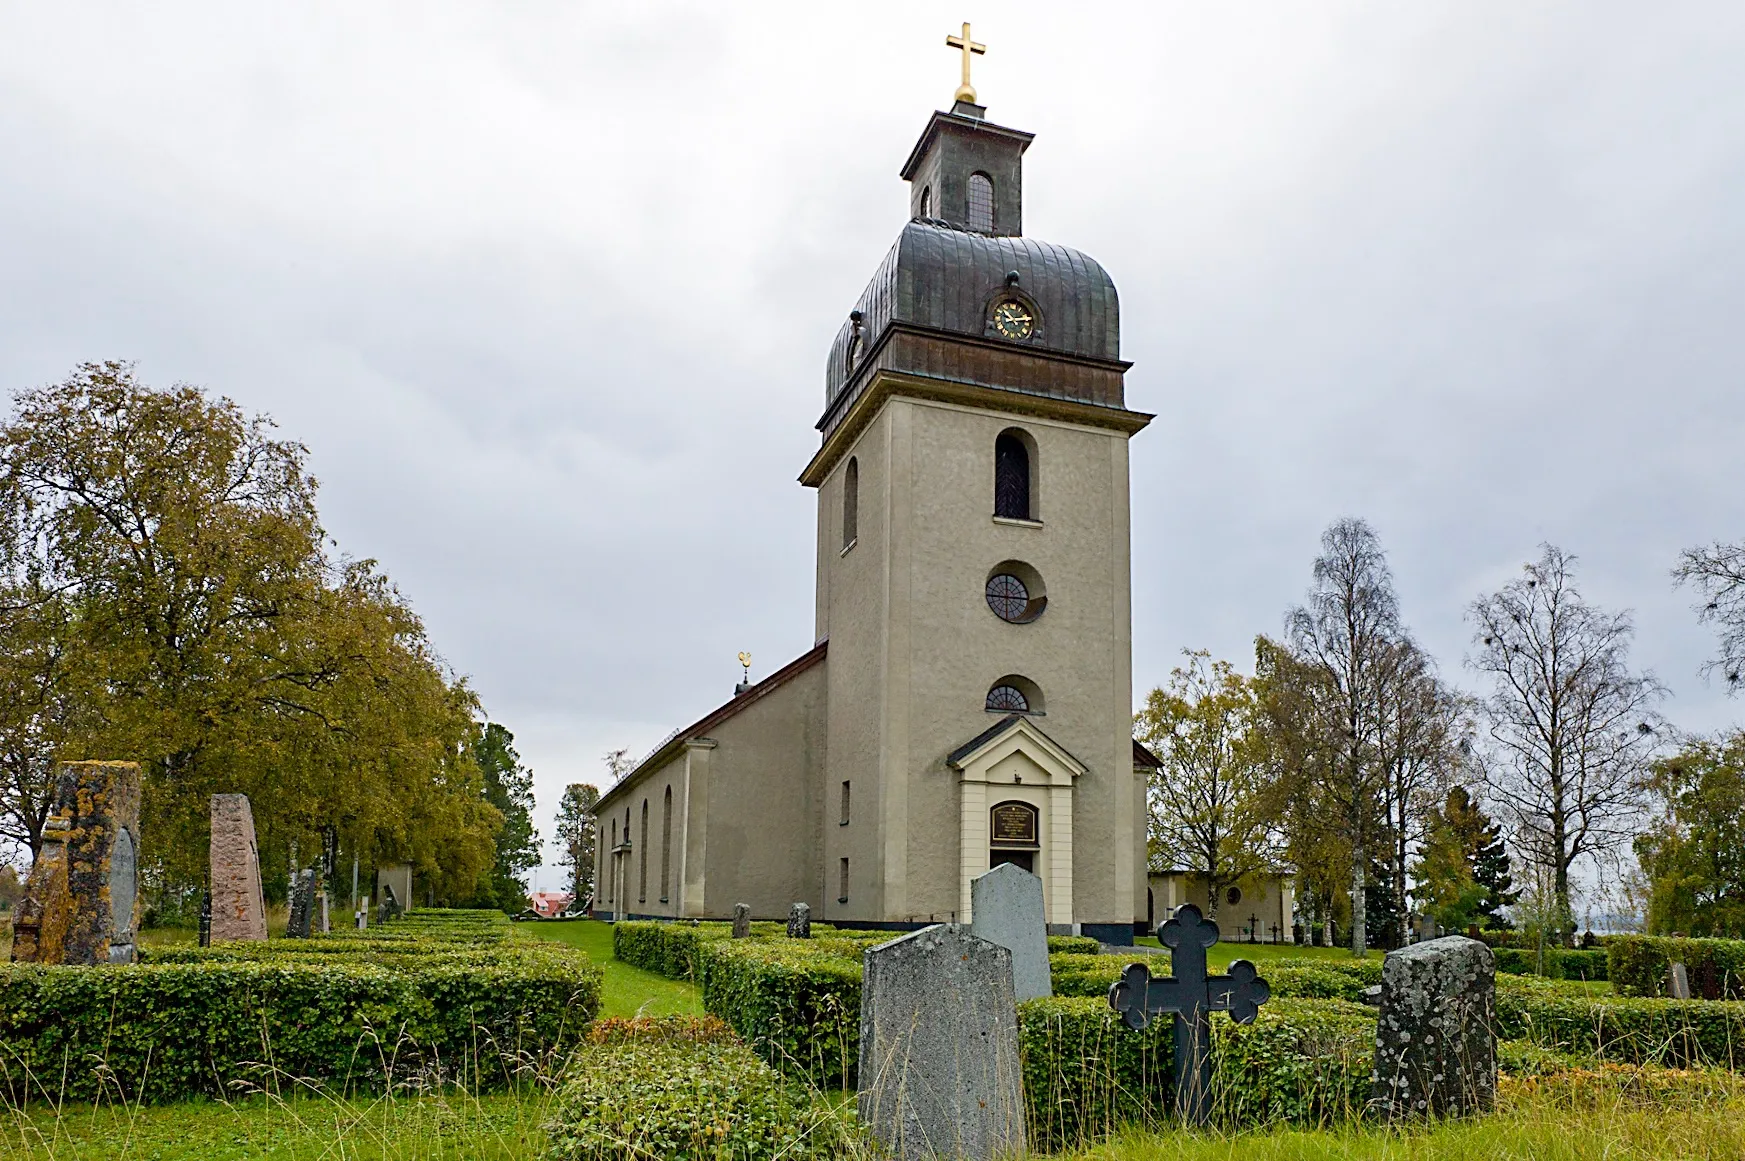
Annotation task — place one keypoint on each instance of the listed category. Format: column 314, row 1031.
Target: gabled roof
column 676, row 740
column 968, row 752
column 1143, row 757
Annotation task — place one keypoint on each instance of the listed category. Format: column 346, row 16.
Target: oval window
column 1234, row 895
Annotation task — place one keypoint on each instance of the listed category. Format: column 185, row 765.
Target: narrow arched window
column 666, row 846
column 1011, row 477
column 926, row 201
column 642, row 858
column 981, row 203
column 613, row 865
column 850, row 503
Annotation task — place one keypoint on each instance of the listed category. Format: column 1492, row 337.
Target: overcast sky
column 547, row 290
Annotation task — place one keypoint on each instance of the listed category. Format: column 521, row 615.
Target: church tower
column 973, row 580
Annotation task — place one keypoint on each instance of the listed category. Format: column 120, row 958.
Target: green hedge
column 1086, row 1074
column 685, row 1089
column 1637, row 965
column 1073, row 945
column 796, row 1003
column 1561, row 963
column 346, row 1012
column 1675, row 1033
column 1303, row 978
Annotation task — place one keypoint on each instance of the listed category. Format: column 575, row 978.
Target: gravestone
column 939, row 1072
column 239, row 910
column 1677, row 982
column 80, row 900
column 389, row 906
column 396, row 879
column 741, row 920
column 800, row 921
column 302, row 904
column 1006, row 908
column 1435, row 1038
column 205, row 919
column 326, row 919
column 1193, row 996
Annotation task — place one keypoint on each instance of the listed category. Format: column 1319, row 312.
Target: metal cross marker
column 964, row 91
column 1193, row 996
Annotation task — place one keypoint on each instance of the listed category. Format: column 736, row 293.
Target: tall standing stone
column 1677, row 981
column 239, row 910
column 302, row 904
column 800, row 921
column 80, row 902
column 397, row 880
column 939, row 1070
column 1006, row 908
column 741, row 920
column 1435, row 1039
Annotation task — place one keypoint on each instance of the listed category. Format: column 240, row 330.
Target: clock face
column 1012, row 319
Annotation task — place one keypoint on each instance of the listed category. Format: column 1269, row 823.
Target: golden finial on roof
column 966, row 91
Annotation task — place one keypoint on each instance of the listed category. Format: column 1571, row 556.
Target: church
column 968, row 701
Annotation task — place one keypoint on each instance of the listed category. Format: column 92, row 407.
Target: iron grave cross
column 1193, row 996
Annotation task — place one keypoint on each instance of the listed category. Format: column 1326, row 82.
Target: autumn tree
column 1571, row 726
column 1209, row 802
column 167, row 597
column 1694, row 850
column 1344, row 639
column 578, row 833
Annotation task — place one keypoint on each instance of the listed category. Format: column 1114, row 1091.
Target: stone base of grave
column 80, row 901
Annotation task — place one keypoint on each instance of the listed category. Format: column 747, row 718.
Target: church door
column 1024, row 859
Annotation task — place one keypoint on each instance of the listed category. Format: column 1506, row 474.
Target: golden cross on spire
column 965, row 91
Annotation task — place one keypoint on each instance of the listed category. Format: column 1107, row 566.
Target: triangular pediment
column 989, row 755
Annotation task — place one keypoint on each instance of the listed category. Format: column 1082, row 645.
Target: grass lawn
column 629, row 991
column 493, row 1128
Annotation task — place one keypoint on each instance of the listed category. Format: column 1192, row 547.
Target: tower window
column 1007, row 699
column 926, row 201
column 981, row 203
column 844, row 821
column 1012, row 476
column 850, row 504
column 842, row 882
column 1014, row 592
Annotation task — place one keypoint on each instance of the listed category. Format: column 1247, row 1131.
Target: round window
column 1234, row 895
column 1008, row 597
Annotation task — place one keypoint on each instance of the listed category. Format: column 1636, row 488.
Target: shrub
column 1561, row 963
column 1679, row 1033
column 352, row 1012
column 1637, row 965
column 654, row 1089
column 1086, row 1074
column 1073, row 945
column 797, row 1004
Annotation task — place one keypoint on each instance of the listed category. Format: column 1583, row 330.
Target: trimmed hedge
column 1637, row 965
column 1073, row 945
column 1086, row 1074
column 1561, row 963
column 1675, row 1033
column 678, row 1088
column 1302, row 978
column 355, row 1014
column 796, row 1003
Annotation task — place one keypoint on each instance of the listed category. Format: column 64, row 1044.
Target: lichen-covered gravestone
column 80, row 901
column 939, row 1073
column 239, row 911
column 1006, row 908
column 800, row 921
column 1435, row 1039
column 741, row 920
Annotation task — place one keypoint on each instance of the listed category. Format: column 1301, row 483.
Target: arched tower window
column 981, row 203
column 926, row 201
column 642, row 858
column 851, row 503
column 1012, row 476
column 1013, row 694
column 666, row 846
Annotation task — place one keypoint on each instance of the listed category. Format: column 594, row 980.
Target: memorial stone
column 396, row 880
column 741, row 920
column 1006, row 908
column 939, row 1073
column 800, row 921
column 239, row 910
column 1677, row 981
column 1435, row 1038
column 80, row 900
column 302, row 904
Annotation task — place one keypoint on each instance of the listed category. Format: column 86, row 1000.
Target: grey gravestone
column 302, row 904
column 389, row 907
column 1435, row 1039
column 1006, row 908
column 239, row 910
column 1677, row 982
column 939, row 1072
column 81, row 898
column 396, row 880
column 741, row 920
column 800, row 921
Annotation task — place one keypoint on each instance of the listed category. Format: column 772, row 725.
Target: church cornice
column 888, row 384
